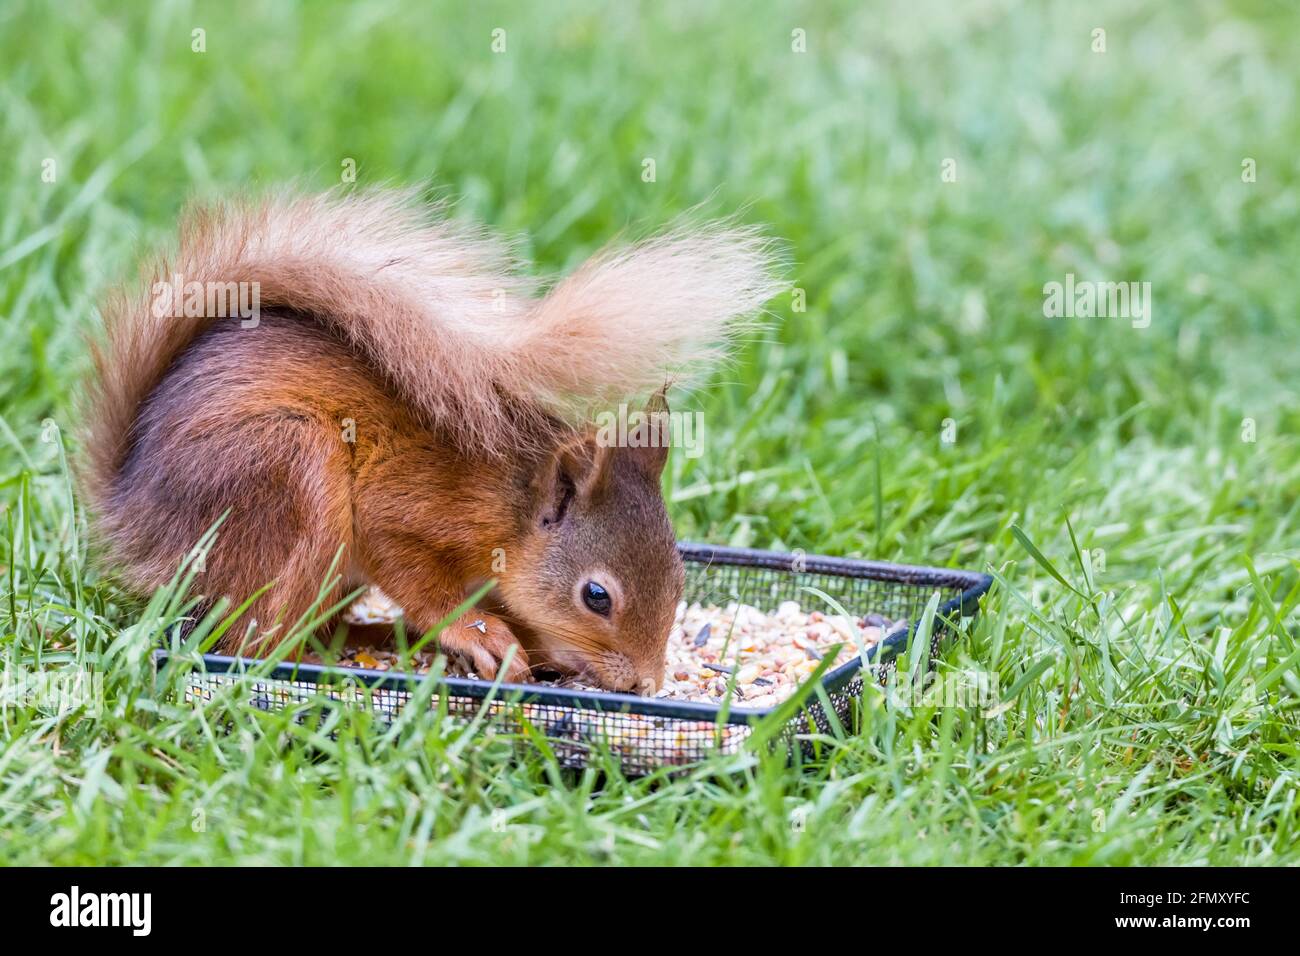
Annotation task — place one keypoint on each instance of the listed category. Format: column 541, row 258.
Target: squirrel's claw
column 486, row 641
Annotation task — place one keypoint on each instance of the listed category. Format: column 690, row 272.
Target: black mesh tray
column 645, row 733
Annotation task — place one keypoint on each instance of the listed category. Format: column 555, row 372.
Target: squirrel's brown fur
column 405, row 398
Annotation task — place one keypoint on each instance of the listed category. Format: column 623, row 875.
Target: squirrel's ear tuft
column 578, row 468
column 648, row 442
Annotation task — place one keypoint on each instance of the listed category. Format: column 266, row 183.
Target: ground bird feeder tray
column 753, row 632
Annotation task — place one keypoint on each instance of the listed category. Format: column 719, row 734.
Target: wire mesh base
column 643, row 734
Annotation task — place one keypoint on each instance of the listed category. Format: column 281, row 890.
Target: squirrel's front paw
column 485, row 641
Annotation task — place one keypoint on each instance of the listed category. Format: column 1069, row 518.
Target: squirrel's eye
column 596, row 598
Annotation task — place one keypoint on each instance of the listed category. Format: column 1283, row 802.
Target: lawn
column 1131, row 483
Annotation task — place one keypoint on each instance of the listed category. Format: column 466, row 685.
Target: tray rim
column 974, row 586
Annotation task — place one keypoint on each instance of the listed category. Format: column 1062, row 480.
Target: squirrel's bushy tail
column 441, row 308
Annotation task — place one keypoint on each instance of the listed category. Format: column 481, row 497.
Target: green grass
column 1150, row 706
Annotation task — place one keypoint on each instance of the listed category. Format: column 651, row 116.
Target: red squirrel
column 404, row 396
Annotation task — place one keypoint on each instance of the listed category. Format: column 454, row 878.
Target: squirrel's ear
column 578, row 467
column 648, row 442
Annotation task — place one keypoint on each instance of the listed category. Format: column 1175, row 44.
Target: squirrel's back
column 262, row 422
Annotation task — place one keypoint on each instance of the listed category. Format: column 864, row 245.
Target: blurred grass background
column 924, row 304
